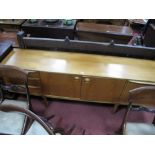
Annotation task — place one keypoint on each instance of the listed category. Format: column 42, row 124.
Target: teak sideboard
column 84, row 77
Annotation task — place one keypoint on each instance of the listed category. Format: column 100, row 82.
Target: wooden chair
column 144, row 99
column 13, row 79
column 38, row 127
column 16, row 80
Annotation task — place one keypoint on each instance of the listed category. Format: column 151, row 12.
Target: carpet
column 77, row 118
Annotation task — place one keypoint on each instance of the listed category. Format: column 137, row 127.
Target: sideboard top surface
column 82, row 64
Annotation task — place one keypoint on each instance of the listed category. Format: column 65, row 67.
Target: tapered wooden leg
column 45, row 100
column 153, row 120
column 27, row 125
column 115, row 108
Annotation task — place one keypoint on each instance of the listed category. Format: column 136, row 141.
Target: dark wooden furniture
column 13, row 80
column 137, row 21
column 89, row 47
column 103, row 32
column 11, row 24
column 5, row 48
column 137, row 25
column 49, row 29
column 8, row 30
column 38, row 127
column 16, row 80
column 9, row 37
column 10, row 76
column 144, row 98
column 105, row 21
column 149, row 36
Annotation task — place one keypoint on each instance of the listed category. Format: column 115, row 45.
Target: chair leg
column 84, row 132
column 45, row 100
column 153, row 120
column 119, row 131
column 69, row 132
column 115, row 108
column 27, row 125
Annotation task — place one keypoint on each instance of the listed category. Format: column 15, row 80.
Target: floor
column 77, row 118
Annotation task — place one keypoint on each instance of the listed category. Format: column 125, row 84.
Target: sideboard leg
column 45, row 100
column 115, row 108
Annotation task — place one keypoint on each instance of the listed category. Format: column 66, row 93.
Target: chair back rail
column 144, row 97
column 11, row 108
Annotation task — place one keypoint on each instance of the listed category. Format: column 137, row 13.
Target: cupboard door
column 63, row 85
column 131, row 85
column 102, row 89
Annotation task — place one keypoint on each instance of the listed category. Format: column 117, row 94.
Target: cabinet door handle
column 86, row 79
column 76, row 78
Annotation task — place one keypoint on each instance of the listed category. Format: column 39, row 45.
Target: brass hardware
column 86, row 79
column 76, row 78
